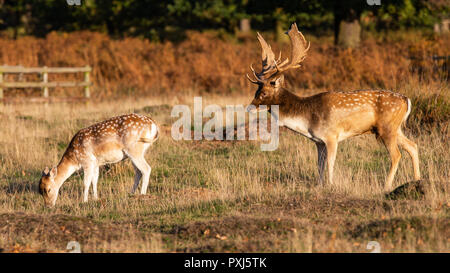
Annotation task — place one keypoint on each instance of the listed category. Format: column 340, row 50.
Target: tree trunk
column 280, row 32
column 245, row 26
column 349, row 34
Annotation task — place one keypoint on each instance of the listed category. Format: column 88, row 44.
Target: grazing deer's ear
column 53, row 172
column 46, row 171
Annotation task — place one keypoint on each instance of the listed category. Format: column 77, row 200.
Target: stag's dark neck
column 291, row 104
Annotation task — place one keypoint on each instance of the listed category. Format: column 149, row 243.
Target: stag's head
column 271, row 79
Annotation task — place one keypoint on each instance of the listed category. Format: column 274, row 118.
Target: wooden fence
column 45, row 84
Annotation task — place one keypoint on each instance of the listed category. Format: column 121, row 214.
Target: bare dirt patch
column 417, row 225
column 54, row 229
column 235, row 233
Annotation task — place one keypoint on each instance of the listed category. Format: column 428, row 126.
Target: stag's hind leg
column 390, row 141
column 411, row 148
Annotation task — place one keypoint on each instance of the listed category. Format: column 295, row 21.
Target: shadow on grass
column 21, row 187
column 401, row 226
column 417, row 190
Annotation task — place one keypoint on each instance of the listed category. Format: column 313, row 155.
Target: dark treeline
column 159, row 20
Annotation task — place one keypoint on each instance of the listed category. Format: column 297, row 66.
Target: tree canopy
column 155, row 19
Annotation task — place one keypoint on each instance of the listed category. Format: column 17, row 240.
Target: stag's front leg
column 321, row 159
column 331, row 147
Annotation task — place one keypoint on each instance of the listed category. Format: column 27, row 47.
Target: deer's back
column 356, row 112
column 106, row 140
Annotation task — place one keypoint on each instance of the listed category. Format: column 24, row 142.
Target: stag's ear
column 277, row 82
column 53, row 172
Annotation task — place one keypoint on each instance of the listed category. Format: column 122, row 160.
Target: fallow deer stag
column 110, row 141
column 330, row 117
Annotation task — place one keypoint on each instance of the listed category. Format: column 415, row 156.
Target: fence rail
column 45, row 84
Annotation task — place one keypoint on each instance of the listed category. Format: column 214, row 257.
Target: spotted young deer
column 110, row 141
column 330, row 117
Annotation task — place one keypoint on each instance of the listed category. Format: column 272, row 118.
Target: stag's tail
column 407, row 111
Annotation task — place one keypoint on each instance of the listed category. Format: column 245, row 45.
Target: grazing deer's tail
column 146, row 140
column 154, row 135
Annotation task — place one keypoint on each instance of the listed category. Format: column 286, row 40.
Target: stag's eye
column 272, row 83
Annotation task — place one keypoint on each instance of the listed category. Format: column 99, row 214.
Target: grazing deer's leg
column 146, row 176
column 145, row 169
column 321, row 159
column 88, row 175
column 331, row 157
column 106, row 142
column 136, row 154
column 94, row 181
column 390, row 141
column 137, row 179
column 411, row 148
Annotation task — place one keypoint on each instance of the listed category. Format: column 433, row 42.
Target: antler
column 258, row 80
column 267, row 56
column 299, row 48
column 270, row 66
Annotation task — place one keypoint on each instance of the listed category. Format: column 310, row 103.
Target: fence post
column 1, row 87
column 45, row 81
column 87, row 93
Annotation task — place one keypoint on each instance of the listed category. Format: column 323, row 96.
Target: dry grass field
column 224, row 196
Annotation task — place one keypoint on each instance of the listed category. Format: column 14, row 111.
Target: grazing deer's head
column 271, row 79
column 47, row 187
